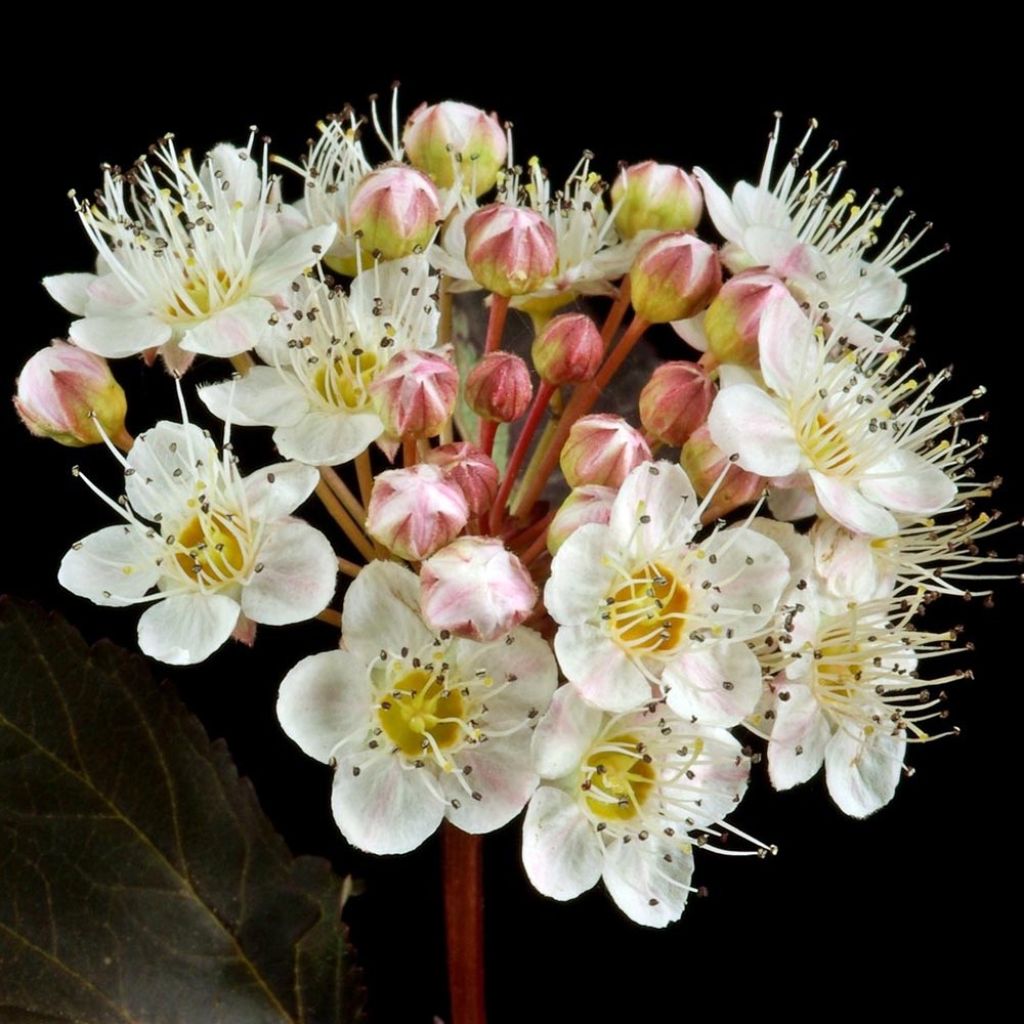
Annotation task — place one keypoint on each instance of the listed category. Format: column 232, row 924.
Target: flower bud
column 568, row 350
column 602, row 449
column 676, row 401
column 67, row 393
column 510, row 250
column 673, row 276
column 415, row 511
column 656, row 197
column 451, row 141
column 704, row 462
column 394, row 211
column 474, row 473
column 499, row 387
column 734, row 317
column 475, row 589
column 591, row 503
column 415, row 394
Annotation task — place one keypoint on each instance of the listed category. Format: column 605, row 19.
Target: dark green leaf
column 139, row 879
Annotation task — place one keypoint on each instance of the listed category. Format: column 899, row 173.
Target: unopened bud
column 568, row 350
column 415, row 511
column 704, row 463
column 473, row 472
column 510, row 250
column 394, row 212
column 499, row 387
column 656, row 197
column 733, row 319
column 676, row 401
column 67, row 394
column 476, row 589
column 602, row 449
column 454, row 141
column 591, row 503
column 674, row 276
column 415, row 394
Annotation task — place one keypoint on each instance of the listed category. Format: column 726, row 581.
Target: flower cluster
column 601, row 621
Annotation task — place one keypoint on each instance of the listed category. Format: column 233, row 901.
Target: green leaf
column 139, row 879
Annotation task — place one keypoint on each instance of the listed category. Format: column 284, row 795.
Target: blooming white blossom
column 625, row 798
column 210, row 551
column 419, row 726
column 639, row 603
column 191, row 260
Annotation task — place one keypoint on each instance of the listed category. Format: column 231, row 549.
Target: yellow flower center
column 647, row 613
column 214, row 551
column 420, row 713
column 198, row 295
column 826, row 446
column 345, row 380
column 617, row 780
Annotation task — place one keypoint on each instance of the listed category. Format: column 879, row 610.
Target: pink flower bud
column 591, row 503
column 704, row 463
column 452, row 141
column 676, row 401
column 60, row 391
column 509, row 250
column 394, row 211
column 674, row 276
column 415, row 511
column 474, row 473
column 656, row 197
column 734, row 317
column 602, row 449
column 499, row 387
column 568, row 350
column 475, row 589
column 415, row 394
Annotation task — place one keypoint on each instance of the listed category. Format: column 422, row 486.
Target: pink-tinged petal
column 790, row 354
column 752, row 424
column 601, row 671
column 564, row 734
column 906, row 482
column 278, row 490
column 328, row 438
column 118, row 336
column 863, row 771
column 113, row 566
column 649, row 881
column 175, row 359
column 842, row 500
column 779, row 250
column 291, row 260
column 656, row 508
column 799, row 735
column 719, row 686
column 562, row 853
column 381, row 612
column 107, row 295
column 187, row 628
column 581, row 576
column 792, row 503
column 70, row 290
column 848, row 565
column 324, row 699
column 263, row 397
column 720, row 207
column 231, row 331
column 388, row 807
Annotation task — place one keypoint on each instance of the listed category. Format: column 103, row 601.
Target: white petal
column 562, row 853
column 790, row 354
column 298, row 576
column 387, row 807
column 792, row 503
column 847, row 564
column 720, row 207
column 647, row 888
column 862, row 771
column 187, row 628
column 756, row 206
column 328, row 438
column 114, row 566
column 381, row 611
column 799, row 734
column 781, row 251
column 108, row 295
column 720, row 775
column 69, row 290
column 906, row 482
column 842, row 500
column 564, row 734
column 231, row 331
column 654, row 509
column 291, row 260
column 747, row 421
column 581, row 575
column 278, row 490
column 796, row 547
column 718, row 686
column 163, row 469
column 119, row 336
column 601, row 671
column 324, row 699
column 692, row 332
column 880, row 293
column 263, row 397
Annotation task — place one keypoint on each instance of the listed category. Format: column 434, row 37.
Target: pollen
column 617, row 779
column 210, row 550
column 648, row 612
column 421, row 713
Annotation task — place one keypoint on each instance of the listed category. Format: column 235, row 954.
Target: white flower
column 866, row 443
column 638, row 603
column 419, row 726
column 209, row 550
column 629, row 797
column 323, row 357
column 191, row 259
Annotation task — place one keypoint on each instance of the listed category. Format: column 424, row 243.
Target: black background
column 898, row 910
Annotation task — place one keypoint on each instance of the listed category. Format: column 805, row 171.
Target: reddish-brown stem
column 618, row 310
column 525, row 537
column 464, row 924
column 536, row 549
column 496, row 323
column 533, row 418
column 410, row 455
column 488, row 428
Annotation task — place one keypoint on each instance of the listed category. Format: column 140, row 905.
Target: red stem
column 488, row 428
column 496, row 323
column 464, row 924
column 618, row 310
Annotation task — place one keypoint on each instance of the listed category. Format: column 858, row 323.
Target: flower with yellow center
column 419, row 726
